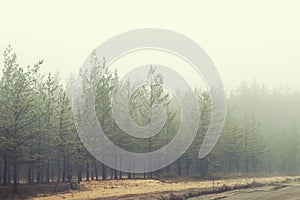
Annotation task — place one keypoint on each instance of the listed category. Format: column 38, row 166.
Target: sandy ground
column 153, row 189
column 289, row 191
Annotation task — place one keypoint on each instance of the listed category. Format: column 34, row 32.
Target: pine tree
column 254, row 146
column 232, row 142
column 205, row 107
column 18, row 88
column 65, row 134
column 146, row 97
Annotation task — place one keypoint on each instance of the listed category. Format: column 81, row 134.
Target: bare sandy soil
column 154, row 189
column 290, row 191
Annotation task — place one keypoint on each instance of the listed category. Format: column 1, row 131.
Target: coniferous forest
column 39, row 142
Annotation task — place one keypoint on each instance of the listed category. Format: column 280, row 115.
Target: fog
column 246, row 40
column 52, row 133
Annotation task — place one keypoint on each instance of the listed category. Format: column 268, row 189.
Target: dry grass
column 154, row 189
column 25, row 191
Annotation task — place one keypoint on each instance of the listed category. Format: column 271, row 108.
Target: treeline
column 39, row 142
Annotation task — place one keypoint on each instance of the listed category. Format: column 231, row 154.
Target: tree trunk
column 87, row 170
column 120, row 175
column 5, row 171
column 168, row 170
column 254, row 165
column 32, row 175
column 104, row 176
column 92, row 174
column 69, row 170
column 64, row 168
column 187, row 165
column 38, row 176
column 115, row 174
column 1, row 172
column 29, row 175
column 15, row 176
column 111, row 173
column 150, row 174
column 129, row 176
column 79, row 174
column 237, row 168
column 178, row 167
column 58, row 171
column 42, row 177
column 246, row 163
column 48, row 172
column 52, row 173
column 96, row 170
column 8, row 174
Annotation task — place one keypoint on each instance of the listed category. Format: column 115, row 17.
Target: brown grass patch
column 161, row 189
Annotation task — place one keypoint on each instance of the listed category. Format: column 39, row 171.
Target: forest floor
column 175, row 189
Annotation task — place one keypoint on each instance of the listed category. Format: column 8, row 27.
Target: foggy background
column 246, row 40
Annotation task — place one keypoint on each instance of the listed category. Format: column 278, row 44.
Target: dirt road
column 280, row 192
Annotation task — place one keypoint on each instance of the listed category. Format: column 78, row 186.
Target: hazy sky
column 245, row 39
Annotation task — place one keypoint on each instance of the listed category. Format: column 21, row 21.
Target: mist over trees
column 39, row 142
